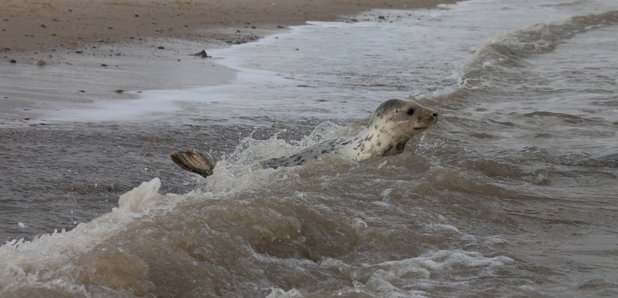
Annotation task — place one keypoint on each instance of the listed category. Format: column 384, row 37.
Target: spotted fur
column 390, row 127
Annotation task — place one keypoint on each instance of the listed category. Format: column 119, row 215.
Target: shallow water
column 513, row 193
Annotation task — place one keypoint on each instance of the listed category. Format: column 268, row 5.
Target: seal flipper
column 194, row 161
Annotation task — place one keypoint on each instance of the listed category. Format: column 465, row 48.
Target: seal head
column 390, row 127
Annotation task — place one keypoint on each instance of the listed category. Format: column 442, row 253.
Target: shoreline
column 68, row 53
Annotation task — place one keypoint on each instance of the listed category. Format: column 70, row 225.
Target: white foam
column 22, row 261
column 279, row 293
column 411, row 277
column 142, row 197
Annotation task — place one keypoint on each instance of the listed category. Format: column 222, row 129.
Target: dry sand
column 93, row 49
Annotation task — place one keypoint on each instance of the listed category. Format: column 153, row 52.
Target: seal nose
column 435, row 114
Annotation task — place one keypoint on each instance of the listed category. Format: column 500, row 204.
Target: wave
column 510, row 50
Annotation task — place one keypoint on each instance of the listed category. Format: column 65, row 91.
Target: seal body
column 390, row 127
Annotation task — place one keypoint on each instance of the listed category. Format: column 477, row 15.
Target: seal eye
column 410, row 111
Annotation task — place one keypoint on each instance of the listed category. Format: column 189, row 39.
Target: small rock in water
column 40, row 62
column 12, row 61
column 161, row 48
column 119, row 91
column 104, row 65
column 202, row 54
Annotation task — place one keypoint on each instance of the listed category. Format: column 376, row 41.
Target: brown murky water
column 513, row 193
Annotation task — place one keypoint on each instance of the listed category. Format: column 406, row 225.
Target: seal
column 390, row 127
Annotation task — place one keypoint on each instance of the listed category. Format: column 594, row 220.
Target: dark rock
column 202, row 54
column 161, row 48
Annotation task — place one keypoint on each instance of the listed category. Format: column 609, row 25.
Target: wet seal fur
column 390, row 127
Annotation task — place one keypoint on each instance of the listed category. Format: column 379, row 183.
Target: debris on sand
column 202, row 54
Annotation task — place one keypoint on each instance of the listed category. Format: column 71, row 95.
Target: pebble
column 12, row 61
column 119, row 91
